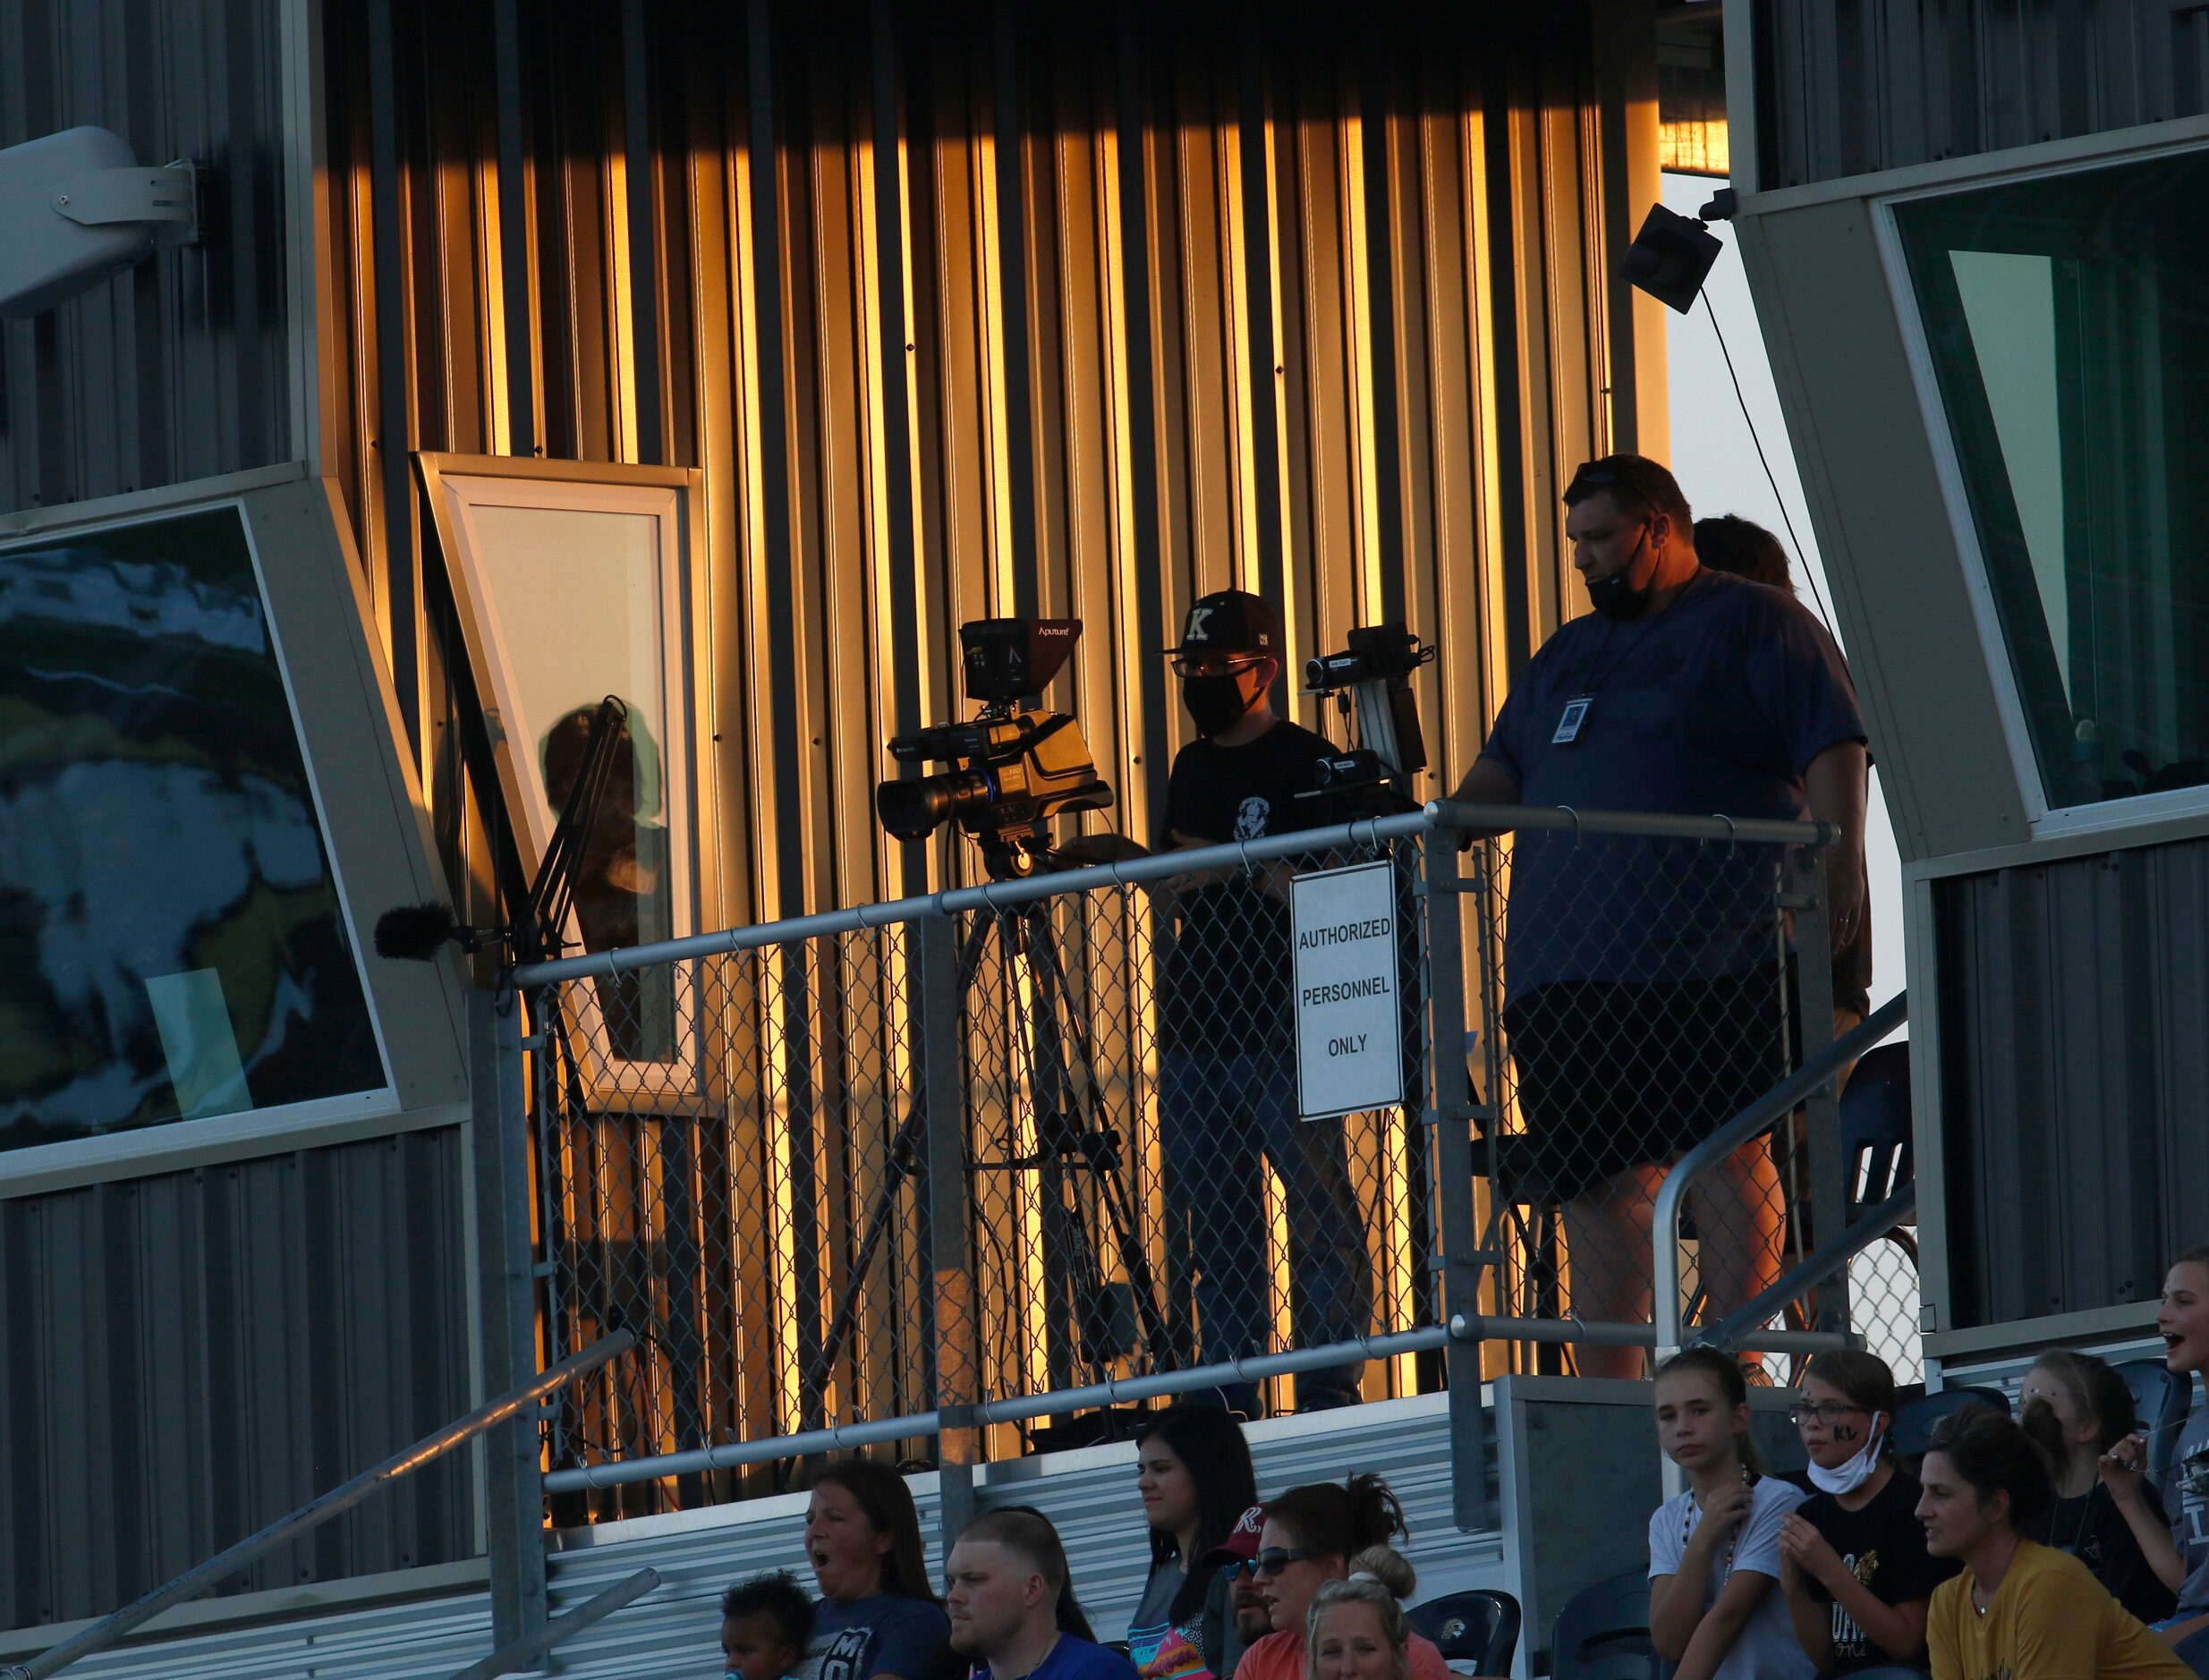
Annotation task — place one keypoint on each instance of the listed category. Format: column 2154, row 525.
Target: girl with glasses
column 1852, row 1557
column 1714, row 1550
column 2018, row 1608
column 1193, row 1473
column 1310, row 1537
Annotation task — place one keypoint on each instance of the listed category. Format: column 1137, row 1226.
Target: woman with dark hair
column 1192, row 1469
column 2075, row 1409
column 1852, row 1557
column 2019, row 1610
column 878, row 1619
column 1311, row 1535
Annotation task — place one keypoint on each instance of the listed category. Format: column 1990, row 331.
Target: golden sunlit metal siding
column 971, row 310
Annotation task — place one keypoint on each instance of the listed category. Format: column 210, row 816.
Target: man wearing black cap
column 1226, row 1078
column 1642, row 1000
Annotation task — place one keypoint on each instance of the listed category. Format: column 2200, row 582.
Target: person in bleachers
column 1072, row 1617
column 766, row 1623
column 1356, row 1629
column 1237, row 1559
column 2019, row 1610
column 1714, row 1550
column 1007, row 1573
column 1852, row 1557
column 1641, row 1001
column 1311, row 1535
column 877, row 1620
column 1192, row 1469
column 2075, row 1409
column 2179, row 1553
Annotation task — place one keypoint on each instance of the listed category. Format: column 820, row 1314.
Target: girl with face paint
column 1853, row 1561
column 2075, row 1408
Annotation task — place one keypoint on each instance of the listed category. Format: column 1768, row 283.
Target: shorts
column 1614, row 1075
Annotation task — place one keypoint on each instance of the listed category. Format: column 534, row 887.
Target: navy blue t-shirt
column 887, row 1633
column 1715, row 706
column 1073, row 1658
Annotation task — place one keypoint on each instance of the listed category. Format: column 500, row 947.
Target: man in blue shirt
column 1007, row 1573
column 1642, row 1000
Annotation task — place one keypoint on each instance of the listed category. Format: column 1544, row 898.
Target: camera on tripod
column 1014, row 769
column 1372, row 675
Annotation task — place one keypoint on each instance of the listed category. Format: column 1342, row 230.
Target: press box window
column 2068, row 319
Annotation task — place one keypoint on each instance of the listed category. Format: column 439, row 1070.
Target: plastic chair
column 1602, row 1634
column 2194, row 1651
column 1914, row 1422
column 1480, row 1627
column 2163, row 1401
column 1877, row 1145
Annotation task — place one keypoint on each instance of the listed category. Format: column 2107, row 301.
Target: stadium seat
column 1480, row 1627
column 2163, row 1401
column 2194, row 1652
column 1602, row 1634
column 1914, row 1419
column 1875, row 1132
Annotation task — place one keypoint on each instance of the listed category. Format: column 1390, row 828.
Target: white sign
column 1349, row 1023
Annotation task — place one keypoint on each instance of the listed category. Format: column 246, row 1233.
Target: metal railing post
column 1814, row 962
column 1449, row 1118
column 958, row 1324
column 513, row 1498
column 529, row 1651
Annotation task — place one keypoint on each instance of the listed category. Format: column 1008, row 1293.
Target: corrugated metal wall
column 2075, row 1077
column 179, row 369
column 1847, row 87
column 187, row 1357
column 983, row 310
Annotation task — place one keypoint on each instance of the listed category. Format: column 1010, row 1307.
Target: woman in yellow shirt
column 2019, row 1610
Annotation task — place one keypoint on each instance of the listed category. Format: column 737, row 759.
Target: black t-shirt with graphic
column 1884, row 1545
column 1226, row 983
column 2093, row 1530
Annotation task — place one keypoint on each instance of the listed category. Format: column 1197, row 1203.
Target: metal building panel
column 1844, row 88
column 179, row 367
column 2073, row 1078
column 188, row 1356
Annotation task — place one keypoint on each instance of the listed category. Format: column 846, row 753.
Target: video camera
column 1014, row 768
column 1374, row 675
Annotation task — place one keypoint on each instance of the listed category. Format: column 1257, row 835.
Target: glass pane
column 171, row 942
column 576, row 598
column 2068, row 320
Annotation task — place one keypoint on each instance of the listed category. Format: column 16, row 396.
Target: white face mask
column 1848, row 1478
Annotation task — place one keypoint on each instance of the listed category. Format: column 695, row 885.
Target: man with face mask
column 1641, row 1000
column 1227, row 1075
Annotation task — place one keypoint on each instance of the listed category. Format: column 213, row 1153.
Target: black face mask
column 1216, row 703
column 1616, row 597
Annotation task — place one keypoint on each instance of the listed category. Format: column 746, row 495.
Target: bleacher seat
column 1480, row 1627
column 2163, row 1401
column 1914, row 1419
column 2194, row 1652
column 1602, row 1634
column 1877, row 1146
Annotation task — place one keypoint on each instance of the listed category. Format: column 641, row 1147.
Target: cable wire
column 1825, row 616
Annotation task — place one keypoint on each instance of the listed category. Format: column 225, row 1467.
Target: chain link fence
column 745, row 1155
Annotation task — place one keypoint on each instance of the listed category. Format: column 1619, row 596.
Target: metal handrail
column 317, row 1511
column 1758, row 1117
column 1437, row 814
column 1808, row 1273
column 587, row 1614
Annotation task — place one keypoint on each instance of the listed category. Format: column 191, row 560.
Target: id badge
column 1569, row 723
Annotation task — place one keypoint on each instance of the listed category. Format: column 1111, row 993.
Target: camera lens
column 912, row 809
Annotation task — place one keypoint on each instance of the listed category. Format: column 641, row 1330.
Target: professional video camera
column 1374, row 675
column 1014, row 768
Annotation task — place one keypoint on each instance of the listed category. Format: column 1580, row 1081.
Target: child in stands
column 2075, row 1409
column 1356, row 1629
column 2020, row 1609
column 765, row 1622
column 1852, row 1558
column 2180, row 1553
column 1714, row 1550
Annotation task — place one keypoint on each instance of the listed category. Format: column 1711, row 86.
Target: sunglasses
column 1271, row 1561
column 1214, row 663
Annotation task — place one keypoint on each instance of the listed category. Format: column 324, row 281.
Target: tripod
column 1072, row 1133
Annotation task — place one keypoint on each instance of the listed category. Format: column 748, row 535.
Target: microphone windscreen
column 413, row 932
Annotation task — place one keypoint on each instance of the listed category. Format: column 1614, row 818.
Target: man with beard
column 1643, row 1006
column 1228, row 1068
column 1005, row 1575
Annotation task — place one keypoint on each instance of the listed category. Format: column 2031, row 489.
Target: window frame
column 2104, row 152
column 675, row 497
